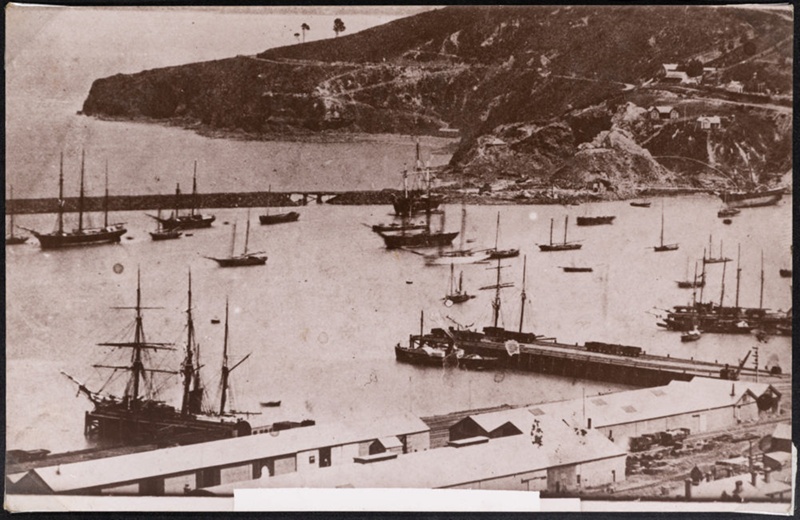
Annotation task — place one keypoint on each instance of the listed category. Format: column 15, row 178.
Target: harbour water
column 322, row 316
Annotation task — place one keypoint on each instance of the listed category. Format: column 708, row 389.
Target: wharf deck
column 577, row 361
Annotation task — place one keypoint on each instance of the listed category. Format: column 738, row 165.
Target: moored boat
column 81, row 236
column 596, row 221
column 573, row 269
column 495, row 254
column 641, row 203
column 246, row 259
column 752, row 199
column 278, row 218
column 193, row 220
column 728, row 212
column 662, row 247
column 565, row 246
column 165, row 234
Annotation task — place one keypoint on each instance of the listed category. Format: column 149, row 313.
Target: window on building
column 578, row 479
column 312, row 459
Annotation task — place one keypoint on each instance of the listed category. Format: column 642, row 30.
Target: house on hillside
column 735, row 86
column 675, row 76
column 663, row 112
column 668, row 67
column 710, row 122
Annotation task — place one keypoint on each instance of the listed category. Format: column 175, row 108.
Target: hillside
column 478, row 69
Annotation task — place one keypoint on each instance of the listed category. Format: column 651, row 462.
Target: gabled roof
column 449, row 467
column 168, row 461
column 663, row 109
column 709, row 119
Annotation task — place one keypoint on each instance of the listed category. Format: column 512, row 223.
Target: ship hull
column 187, row 222
column 498, row 254
column 417, row 357
column 595, row 221
column 753, row 199
column 268, row 220
column 16, row 240
column 165, row 235
column 86, row 238
column 244, row 261
column 418, row 240
column 549, row 248
column 407, row 206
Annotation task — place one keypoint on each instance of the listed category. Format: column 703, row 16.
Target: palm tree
column 338, row 26
column 297, row 36
column 304, row 28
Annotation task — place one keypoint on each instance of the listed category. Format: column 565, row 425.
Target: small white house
column 710, row 122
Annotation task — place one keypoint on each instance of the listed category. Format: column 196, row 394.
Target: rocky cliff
column 546, row 78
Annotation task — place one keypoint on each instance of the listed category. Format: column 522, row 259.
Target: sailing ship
column 712, row 260
column 193, row 220
column 246, row 258
column 719, row 318
column 496, row 253
column 165, row 234
column 574, row 269
column 278, row 218
column 138, row 415
column 694, row 282
column 12, row 239
column 414, row 201
column 456, row 292
column 565, row 246
column 641, row 203
column 752, row 199
column 81, row 236
column 596, row 221
column 462, row 255
column 419, row 239
column 662, row 247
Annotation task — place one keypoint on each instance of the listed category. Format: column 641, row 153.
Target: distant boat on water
column 728, row 212
column 165, row 234
column 573, row 269
column 193, row 220
column 246, row 258
column 641, row 203
column 495, row 254
column 81, row 236
column 715, row 260
column 278, row 218
column 596, row 221
column 662, row 247
column 565, row 246
column 752, row 199
column 12, row 239
column 456, row 292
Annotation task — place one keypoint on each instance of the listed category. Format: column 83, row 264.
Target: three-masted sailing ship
column 194, row 220
column 139, row 415
column 80, row 236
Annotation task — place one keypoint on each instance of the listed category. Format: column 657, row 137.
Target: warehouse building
column 699, row 405
column 549, row 456
column 178, row 470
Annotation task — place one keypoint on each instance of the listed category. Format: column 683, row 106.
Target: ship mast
column 105, row 201
column 497, row 232
column 190, row 368
column 703, row 276
column 428, row 201
column 662, row 223
column 694, row 287
column 233, row 240
column 225, row 370
column 722, row 290
column 194, row 189
column 61, row 196
column 80, row 196
column 523, row 297
column 566, row 223
column 761, row 296
column 551, row 232
column 138, row 346
column 12, row 212
column 247, row 233
column 738, row 274
column 177, row 198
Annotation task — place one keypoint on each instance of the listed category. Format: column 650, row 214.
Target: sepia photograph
column 543, row 249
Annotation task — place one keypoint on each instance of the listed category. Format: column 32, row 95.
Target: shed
column 658, row 112
column 490, row 425
column 777, row 460
column 709, row 122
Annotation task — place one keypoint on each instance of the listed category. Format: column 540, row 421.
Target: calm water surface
column 321, row 318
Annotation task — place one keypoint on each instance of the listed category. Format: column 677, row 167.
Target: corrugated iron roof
column 127, row 468
column 448, row 467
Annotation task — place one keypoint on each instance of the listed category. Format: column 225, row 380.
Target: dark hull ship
column 577, row 269
column 416, row 201
column 279, row 218
column 498, row 254
column 193, row 220
column 596, row 221
column 418, row 240
column 752, row 199
column 641, row 204
column 565, row 246
column 722, row 319
column 165, row 234
column 728, row 212
column 456, row 292
column 81, row 236
column 398, row 226
column 139, row 416
column 245, row 259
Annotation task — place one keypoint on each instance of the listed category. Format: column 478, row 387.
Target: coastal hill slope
column 480, row 69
